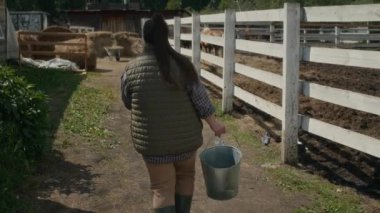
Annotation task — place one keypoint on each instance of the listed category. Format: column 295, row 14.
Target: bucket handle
column 220, row 142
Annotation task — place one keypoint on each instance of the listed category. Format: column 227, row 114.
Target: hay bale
column 129, row 34
column 52, row 38
column 79, row 59
column 100, row 39
column 29, row 47
column 131, row 42
column 55, row 29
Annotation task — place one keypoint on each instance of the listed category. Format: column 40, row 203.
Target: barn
column 114, row 17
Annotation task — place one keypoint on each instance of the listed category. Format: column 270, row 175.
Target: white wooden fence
column 289, row 82
column 316, row 34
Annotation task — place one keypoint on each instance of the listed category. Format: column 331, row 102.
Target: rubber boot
column 166, row 209
column 183, row 203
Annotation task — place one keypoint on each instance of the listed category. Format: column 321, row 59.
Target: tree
column 196, row 5
column 51, row 6
column 153, row 4
column 174, row 4
column 246, row 5
column 227, row 4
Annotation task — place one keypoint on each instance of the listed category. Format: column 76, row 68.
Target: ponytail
column 156, row 33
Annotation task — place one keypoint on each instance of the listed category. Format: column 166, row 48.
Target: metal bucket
column 221, row 168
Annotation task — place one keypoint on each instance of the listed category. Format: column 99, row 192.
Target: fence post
column 196, row 43
column 368, row 33
column 337, row 33
column 304, row 36
column 229, row 60
column 143, row 20
column 177, row 34
column 271, row 33
column 289, row 152
column 85, row 53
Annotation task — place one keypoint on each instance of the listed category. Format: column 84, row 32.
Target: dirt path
column 84, row 178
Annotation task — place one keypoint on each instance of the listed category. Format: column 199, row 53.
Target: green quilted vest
column 163, row 118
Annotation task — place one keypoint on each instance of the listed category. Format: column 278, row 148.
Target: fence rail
column 291, row 50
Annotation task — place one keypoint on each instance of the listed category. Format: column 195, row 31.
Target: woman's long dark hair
column 156, row 33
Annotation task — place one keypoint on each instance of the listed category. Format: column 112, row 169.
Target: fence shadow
column 58, row 86
column 54, row 174
column 49, row 206
column 340, row 165
column 98, row 70
column 58, row 176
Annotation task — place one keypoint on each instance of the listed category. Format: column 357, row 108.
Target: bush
column 23, row 133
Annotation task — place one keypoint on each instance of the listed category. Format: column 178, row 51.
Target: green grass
column 325, row 196
column 76, row 108
column 86, row 111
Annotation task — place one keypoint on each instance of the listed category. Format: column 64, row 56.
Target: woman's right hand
column 217, row 127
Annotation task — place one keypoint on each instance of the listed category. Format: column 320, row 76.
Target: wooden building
column 115, row 17
column 29, row 20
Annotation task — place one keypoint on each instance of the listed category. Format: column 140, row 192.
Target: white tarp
column 56, row 63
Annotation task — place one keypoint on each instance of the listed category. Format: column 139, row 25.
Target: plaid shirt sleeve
column 199, row 98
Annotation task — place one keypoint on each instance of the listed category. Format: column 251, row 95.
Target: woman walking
column 167, row 102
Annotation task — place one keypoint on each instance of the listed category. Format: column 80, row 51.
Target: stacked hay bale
column 131, row 42
column 29, row 47
column 100, row 39
column 51, row 38
column 76, row 58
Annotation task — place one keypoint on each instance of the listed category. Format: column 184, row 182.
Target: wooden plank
column 260, row 16
column 213, row 18
column 342, row 136
column 260, row 75
column 259, row 103
column 196, row 42
column 170, row 21
column 353, row 100
column 212, row 59
column 289, row 152
column 272, row 31
column 357, row 37
column 186, row 52
column 357, row 58
column 265, row 48
column 346, row 13
column 58, row 34
column 46, row 43
column 50, row 53
column 216, row 40
column 177, row 33
column 360, row 37
column 229, row 61
column 318, row 36
column 212, row 78
column 171, row 41
column 187, row 20
column 186, row 36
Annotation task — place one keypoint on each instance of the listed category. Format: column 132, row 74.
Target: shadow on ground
column 341, row 165
column 54, row 175
column 56, row 207
column 58, row 86
column 58, row 177
column 103, row 70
